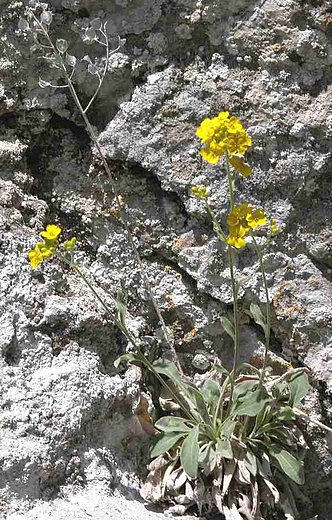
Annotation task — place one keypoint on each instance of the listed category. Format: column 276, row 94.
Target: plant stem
column 313, row 421
column 234, row 285
column 119, row 204
column 222, row 237
column 235, row 315
column 267, row 329
column 140, row 356
column 230, row 182
column 216, row 226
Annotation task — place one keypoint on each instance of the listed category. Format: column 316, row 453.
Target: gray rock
column 71, row 444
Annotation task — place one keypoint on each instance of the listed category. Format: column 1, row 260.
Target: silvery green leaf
column 163, row 442
column 251, row 462
column 92, row 69
column 286, row 413
column 228, row 326
column 190, row 452
column 46, row 17
column 198, row 398
column 44, row 84
column 90, row 34
column 228, row 427
column 86, row 58
column 169, row 370
column 257, row 315
column 96, row 23
column 224, row 448
column 172, row 424
column 125, row 357
column 243, row 388
column 71, row 60
column 23, row 25
column 252, row 403
column 298, row 385
column 61, row 45
column 290, row 465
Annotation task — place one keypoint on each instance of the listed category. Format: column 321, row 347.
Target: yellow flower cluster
column 241, row 222
column 200, row 192
column 44, row 250
column 225, row 134
column 274, row 227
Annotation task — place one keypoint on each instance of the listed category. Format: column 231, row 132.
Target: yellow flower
column 256, row 218
column 236, row 241
column 41, row 252
column 69, row 244
column 222, row 134
column 46, row 248
column 52, row 232
column 200, row 192
column 274, row 227
column 242, row 167
column 35, row 256
column 241, row 221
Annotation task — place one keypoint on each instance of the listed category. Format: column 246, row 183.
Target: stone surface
column 70, row 445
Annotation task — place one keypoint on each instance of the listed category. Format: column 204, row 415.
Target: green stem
column 126, row 332
column 222, row 237
column 267, row 329
column 234, row 285
column 313, row 421
column 230, row 182
column 235, row 315
column 216, row 226
column 87, row 282
column 120, row 205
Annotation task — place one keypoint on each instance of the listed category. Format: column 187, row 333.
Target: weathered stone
column 66, row 414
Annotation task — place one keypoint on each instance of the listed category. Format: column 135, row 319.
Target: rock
column 71, row 444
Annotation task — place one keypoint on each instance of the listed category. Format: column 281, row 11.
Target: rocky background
column 70, row 445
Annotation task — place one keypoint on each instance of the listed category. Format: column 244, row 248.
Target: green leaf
column 190, row 452
column 227, row 428
column 262, row 417
column 290, row 465
column 126, row 357
column 224, row 448
column 286, row 413
column 258, row 316
column 248, row 366
column 167, row 368
column 211, row 392
column 199, row 400
column 250, row 462
column 185, row 397
column 164, row 442
column 172, row 424
column 298, row 384
column 252, row 403
column 243, row 388
column 279, row 389
column 222, row 369
column 208, row 458
column 121, row 307
column 228, row 326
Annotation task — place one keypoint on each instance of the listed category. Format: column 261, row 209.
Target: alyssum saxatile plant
column 38, row 25
column 233, row 443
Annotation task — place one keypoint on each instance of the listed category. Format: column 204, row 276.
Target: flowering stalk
column 139, row 355
column 267, row 328
column 230, row 179
column 109, row 173
column 235, row 314
column 225, row 136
